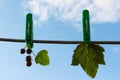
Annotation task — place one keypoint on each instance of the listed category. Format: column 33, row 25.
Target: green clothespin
column 29, row 31
column 86, row 26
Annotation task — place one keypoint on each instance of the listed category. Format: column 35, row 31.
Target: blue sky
column 58, row 20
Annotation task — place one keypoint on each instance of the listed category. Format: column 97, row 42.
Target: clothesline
column 58, row 41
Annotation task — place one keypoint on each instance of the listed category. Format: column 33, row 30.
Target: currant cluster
column 28, row 57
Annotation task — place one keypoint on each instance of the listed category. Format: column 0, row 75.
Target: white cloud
column 71, row 10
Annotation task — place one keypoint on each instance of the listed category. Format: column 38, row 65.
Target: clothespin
column 29, row 31
column 86, row 26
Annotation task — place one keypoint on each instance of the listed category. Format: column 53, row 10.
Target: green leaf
column 76, row 54
column 91, row 61
column 75, row 61
column 89, row 56
column 42, row 58
column 99, row 53
column 88, row 62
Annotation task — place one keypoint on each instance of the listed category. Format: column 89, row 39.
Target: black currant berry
column 28, row 63
column 22, row 51
column 28, row 58
column 29, row 51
